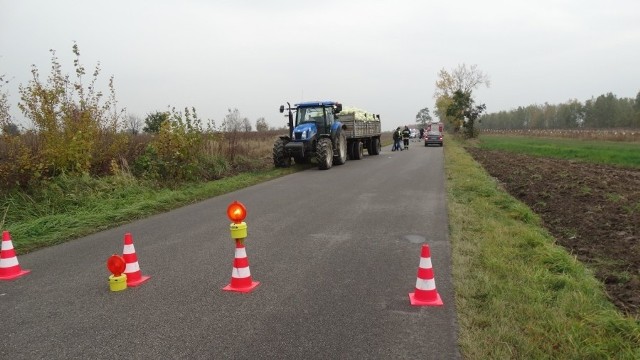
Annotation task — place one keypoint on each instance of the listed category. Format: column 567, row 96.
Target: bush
column 78, row 132
column 75, row 130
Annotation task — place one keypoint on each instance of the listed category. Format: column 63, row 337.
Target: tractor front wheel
column 324, row 154
column 280, row 156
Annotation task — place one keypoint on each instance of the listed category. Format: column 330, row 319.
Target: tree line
column 455, row 106
column 605, row 111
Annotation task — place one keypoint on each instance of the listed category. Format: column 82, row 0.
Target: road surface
column 336, row 253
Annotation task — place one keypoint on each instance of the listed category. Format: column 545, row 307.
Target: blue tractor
column 315, row 132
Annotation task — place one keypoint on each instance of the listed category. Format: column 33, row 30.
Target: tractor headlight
column 304, row 135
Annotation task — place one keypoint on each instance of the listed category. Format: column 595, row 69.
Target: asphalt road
column 336, row 253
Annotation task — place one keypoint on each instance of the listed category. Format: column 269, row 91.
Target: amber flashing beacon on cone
column 236, row 212
column 118, row 280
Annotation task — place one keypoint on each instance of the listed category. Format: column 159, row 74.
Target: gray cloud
column 382, row 56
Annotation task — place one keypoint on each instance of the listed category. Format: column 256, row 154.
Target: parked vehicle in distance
column 433, row 134
column 433, row 138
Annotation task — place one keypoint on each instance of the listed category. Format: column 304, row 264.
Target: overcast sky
column 381, row 56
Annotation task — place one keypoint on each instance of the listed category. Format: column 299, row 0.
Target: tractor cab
column 314, row 118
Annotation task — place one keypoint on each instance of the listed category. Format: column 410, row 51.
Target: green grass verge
column 605, row 152
column 73, row 207
column 518, row 295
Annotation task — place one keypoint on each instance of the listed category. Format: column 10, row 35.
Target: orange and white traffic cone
column 132, row 270
column 241, row 275
column 9, row 267
column 425, row 293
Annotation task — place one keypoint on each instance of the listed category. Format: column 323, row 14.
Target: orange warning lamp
column 236, row 212
column 116, row 265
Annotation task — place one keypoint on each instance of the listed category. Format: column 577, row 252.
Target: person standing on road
column 396, row 139
column 406, row 134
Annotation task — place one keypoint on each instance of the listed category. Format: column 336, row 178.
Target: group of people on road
column 401, row 135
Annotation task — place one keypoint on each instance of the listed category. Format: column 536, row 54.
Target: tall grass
column 604, row 152
column 519, row 295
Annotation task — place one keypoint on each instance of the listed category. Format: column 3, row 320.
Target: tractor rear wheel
column 324, row 154
column 342, row 150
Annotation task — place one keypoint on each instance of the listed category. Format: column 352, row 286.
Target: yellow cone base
column 118, row 283
column 238, row 231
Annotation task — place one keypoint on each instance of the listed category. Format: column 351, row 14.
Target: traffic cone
column 241, row 275
column 134, row 275
column 9, row 266
column 425, row 293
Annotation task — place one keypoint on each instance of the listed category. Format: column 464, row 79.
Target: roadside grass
column 72, row 207
column 518, row 294
column 605, row 152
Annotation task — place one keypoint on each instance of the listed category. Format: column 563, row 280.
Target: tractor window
column 310, row 114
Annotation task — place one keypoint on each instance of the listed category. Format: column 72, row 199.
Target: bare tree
column 233, row 121
column 133, row 124
column 5, row 117
column 246, row 125
column 261, row 125
column 462, row 78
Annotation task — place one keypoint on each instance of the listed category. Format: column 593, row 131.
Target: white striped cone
column 425, row 293
column 132, row 270
column 241, row 275
column 9, row 267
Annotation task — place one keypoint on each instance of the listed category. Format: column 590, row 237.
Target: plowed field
column 592, row 210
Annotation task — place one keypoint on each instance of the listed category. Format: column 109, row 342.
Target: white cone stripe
column 10, row 262
column 422, row 284
column 241, row 253
column 132, row 267
column 128, row 249
column 240, row 273
column 6, row 245
column 425, row 263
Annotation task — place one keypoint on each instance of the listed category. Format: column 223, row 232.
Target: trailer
column 361, row 134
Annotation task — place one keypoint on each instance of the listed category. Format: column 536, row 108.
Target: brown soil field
column 592, row 210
